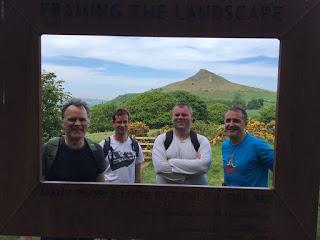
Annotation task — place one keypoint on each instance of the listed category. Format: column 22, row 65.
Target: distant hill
column 122, row 98
column 92, row 101
column 211, row 87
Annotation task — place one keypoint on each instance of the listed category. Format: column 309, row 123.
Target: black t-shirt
column 78, row 165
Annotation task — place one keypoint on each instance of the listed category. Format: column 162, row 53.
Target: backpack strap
column 194, row 140
column 107, row 146
column 135, row 146
column 193, row 137
column 96, row 153
column 168, row 140
column 51, row 149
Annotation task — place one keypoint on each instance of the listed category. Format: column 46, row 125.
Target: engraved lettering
column 80, row 9
column 277, row 13
column 149, row 12
column 54, row 192
column 229, row 14
column 253, row 14
column 240, row 13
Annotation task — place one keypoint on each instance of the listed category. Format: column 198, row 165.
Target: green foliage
column 199, row 107
column 216, row 112
column 121, row 99
column 237, row 101
column 53, row 97
column 153, row 108
column 268, row 113
column 138, row 129
column 100, row 119
column 206, row 129
column 255, row 103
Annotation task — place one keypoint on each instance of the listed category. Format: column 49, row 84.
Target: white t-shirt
column 121, row 161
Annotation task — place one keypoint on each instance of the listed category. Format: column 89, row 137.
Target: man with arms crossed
column 72, row 157
column 122, row 153
column 187, row 157
column 246, row 158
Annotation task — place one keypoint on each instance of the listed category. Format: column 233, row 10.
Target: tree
column 238, row 101
column 199, row 107
column 255, row 103
column 268, row 113
column 216, row 112
column 100, row 119
column 153, row 108
column 53, row 97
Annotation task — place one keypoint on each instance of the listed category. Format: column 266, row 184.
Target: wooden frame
column 287, row 211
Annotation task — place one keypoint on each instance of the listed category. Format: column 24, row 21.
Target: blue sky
column 104, row 67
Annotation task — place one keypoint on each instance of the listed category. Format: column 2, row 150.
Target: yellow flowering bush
column 138, row 129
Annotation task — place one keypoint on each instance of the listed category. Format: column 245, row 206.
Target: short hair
column 239, row 109
column 74, row 102
column 181, row 105
column 120, row 112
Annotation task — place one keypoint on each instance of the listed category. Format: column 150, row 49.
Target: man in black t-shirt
column 76, row 158
column 72, row 157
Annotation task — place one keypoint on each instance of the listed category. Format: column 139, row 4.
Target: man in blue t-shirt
column 246, row 158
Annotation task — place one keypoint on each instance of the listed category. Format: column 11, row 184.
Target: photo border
column 29, row 206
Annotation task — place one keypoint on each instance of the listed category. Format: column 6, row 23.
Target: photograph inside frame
column 156, row 110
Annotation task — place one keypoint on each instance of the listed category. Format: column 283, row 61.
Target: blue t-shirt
column 246, row 164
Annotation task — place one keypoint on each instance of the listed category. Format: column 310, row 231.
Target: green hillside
column 122, row 98
column 211, row 87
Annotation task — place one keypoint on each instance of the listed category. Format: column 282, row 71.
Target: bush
column 100, row 120
column 138, row 129
column 152, row 108
column 216, row 112
column 206, row 129
column 255, row 103
column 267, row 114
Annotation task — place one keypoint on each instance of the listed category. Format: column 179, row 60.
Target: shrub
column 216, row 112
column 268, row 114
column 138, row 129
column 206, row 129
column 100, row 120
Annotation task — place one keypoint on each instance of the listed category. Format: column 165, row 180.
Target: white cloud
column 87, row 82
column 158, row 53
column 186, row 55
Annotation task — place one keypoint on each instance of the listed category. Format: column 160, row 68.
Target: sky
column 103, row 67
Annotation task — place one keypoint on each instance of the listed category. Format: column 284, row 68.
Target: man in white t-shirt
column 181, row 156
column 122, row 153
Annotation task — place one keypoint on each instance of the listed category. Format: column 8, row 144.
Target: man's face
column 181, row 118
column 120, row 124
column 75, row 122
column 234, row 124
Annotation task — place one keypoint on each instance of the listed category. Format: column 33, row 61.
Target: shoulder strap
column 51, row 152
column 135, row 146
column 91, row 145
column 106, row 146
column 193, row 137
column 168, row 140
column 95, row 151
column 194, row 140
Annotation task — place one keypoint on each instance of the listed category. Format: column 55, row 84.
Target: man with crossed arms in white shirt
column 182, row 162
